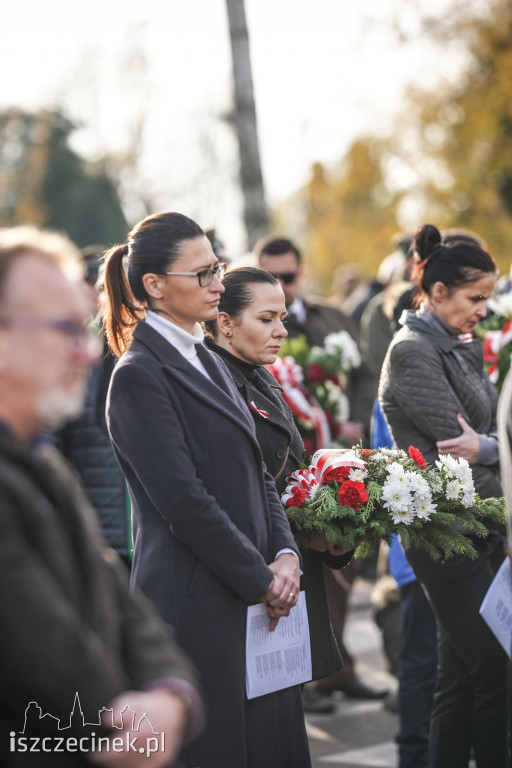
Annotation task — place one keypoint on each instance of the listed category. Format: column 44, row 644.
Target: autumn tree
column 457, row 140
column 343, row 215
column 43, row 181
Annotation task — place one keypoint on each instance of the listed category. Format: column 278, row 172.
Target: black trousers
column 469, row 708
column 417, row 668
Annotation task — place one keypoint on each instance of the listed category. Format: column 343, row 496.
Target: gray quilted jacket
column 427, row 378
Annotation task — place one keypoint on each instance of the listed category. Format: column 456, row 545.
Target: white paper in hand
column 279, row 659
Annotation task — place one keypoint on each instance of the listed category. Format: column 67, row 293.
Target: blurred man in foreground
column 75, row 642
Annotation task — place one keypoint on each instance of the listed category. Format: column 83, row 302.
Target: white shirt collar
column 298, row 309
column 182, row 340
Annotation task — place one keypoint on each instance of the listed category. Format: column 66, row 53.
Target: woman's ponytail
column 122, row 311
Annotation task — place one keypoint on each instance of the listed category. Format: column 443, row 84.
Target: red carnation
column 315, row 373
column 338, row 473
column 417, row 457
column 298, row 497
column 352, row 494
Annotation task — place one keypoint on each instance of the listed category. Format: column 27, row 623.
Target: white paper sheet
column 279, row 659
column 496, row 608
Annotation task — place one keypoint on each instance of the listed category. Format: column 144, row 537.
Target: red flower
column 338, row 473
column 417, row 457
column 352, row 494
column 298, row 497
column 315, row 373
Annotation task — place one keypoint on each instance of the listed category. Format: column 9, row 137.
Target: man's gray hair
column 53, row 246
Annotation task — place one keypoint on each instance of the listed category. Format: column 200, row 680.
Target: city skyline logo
column 119, row 732
column 33, row 714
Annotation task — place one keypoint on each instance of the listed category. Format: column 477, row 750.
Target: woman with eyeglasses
column 210, row 534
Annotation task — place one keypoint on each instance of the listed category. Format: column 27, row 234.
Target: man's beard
column 60, row 405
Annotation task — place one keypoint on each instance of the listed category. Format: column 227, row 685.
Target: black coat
column 322, row 319
column 283, row 453
column 70, row 623
column 85, row 442
column 206, row 521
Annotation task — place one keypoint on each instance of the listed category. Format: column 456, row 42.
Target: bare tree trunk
column 256, row 217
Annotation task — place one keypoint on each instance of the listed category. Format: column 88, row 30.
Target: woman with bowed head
column 436, row 395
column 247, row 334
column 210, row 533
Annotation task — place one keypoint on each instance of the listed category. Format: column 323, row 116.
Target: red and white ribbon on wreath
column 506, row 333
column 323, row 461
column 289, row 375
column 301, row 478
column 493, row 343
column 326, row 459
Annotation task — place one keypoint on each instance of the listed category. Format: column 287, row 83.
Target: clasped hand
column 284, row 588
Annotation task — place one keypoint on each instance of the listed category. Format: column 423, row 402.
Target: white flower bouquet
column 358, row 497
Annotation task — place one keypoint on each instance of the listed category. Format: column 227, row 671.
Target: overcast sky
column 324, row 71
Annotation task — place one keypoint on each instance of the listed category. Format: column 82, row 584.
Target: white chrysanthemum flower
column 396, row 472
column 466, row 481
column 468, row 499
column 436, row 485
column 453, row 489
column 357, row 474
column 402, row 516
column 448, row 465
column 418, row 485
column 341, row 343
column 396, row 496
column 465, row 476
column 424, row 507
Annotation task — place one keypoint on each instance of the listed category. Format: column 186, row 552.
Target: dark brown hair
column 457, row 261
column 273, row 245
column 238, row 294
column 152, row 246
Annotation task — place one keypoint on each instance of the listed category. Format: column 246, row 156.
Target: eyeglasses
column 81, row 334
column 286, row 277
column 204, row 277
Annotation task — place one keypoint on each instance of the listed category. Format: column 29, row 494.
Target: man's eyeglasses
column 81, row 334
column 204, row 277
column 286, row 277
